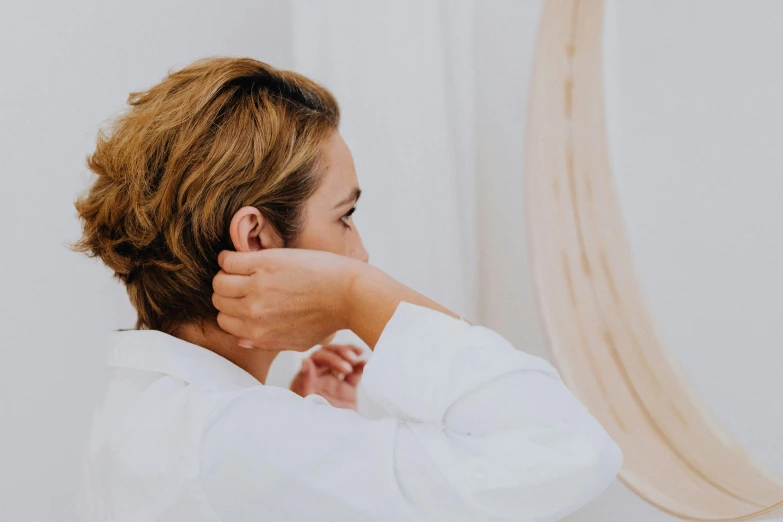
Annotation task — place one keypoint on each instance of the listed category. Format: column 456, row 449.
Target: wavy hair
column 173, row 169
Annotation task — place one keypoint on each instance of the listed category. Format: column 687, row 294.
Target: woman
column 201, row 185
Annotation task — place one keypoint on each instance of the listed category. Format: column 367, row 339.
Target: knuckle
column 258, row 332
column 256, row 281
column 254, row 309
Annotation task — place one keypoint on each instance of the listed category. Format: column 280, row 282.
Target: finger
column 233, row 325
column 354, row 377
column 308, row 377
column 298, row 383
column 348, row 352
column 236, row 306
column 322, row 369
column 357, row 349
column 238, row 263
column 230, row 285
column 332, row 360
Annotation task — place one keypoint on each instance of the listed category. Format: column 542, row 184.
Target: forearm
column 373, row 297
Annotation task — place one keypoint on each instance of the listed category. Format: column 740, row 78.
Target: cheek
column 325, row 237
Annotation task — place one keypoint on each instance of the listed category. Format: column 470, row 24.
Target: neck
column 254, row 362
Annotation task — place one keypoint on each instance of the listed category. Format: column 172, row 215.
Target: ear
column 250, row 231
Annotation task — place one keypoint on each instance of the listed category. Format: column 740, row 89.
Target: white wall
column 66, row 67
column 402, row 72
column 505, row 37
column 697, row 111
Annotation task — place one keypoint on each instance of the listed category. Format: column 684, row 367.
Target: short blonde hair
column 218, row 135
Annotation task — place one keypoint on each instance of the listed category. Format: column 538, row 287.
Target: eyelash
column 347, row 215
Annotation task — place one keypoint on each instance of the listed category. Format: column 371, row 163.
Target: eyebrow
column 352, row 197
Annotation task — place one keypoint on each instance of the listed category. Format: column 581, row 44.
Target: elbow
column 588, row 477
column 607, row 461
column 552, row 481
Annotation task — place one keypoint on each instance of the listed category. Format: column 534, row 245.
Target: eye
column 347, row 216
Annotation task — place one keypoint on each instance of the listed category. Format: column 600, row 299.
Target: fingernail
column 246, row 343
column 347, row 368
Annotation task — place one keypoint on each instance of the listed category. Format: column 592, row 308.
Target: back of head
column 218, row 135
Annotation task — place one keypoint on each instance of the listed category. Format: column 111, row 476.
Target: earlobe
column 245, row 229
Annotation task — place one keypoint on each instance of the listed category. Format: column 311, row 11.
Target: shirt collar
column 156, row 351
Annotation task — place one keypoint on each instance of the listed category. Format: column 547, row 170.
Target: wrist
column 370, row 299
column 358, row 272
column 348, row 278
column 373, row 297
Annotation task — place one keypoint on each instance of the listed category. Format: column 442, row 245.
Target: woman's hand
column 283, row 298
column 333, row 372
column 290, row 298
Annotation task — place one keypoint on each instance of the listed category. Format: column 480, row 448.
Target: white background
column 433, row 96
column 696, row 102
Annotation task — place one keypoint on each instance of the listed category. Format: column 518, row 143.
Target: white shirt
column 454, row 424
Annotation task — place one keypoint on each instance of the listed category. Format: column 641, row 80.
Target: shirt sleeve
column 454, row 424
